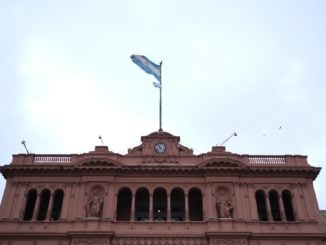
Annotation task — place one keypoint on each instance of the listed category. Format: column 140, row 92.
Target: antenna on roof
column 24, row 144
column 224, row 141
column 100, row 137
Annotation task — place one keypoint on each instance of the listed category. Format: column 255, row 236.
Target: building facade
column 160, row 193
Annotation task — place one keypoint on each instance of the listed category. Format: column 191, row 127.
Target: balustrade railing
column 267, row 160
column 252, row 159
column 52, row 159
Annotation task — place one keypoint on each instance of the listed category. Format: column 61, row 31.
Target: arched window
column 30, row 204
column 195, row 204
column 177, row 205
column 124, row 205
column 287, row 203
column 275, row 208
column 57, row 204
column 44, row 204
column 261, row 205
column 159, row 205
column 142, row 205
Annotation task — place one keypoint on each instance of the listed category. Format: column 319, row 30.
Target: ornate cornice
column 107, row 168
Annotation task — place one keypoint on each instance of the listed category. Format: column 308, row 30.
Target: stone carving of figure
column 225, row 208
column 94, row 206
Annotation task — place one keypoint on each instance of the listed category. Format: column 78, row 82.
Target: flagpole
column 160, row 129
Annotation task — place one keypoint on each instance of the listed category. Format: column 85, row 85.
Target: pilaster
column 66, row 201
column 7, row 199
column 209, row 203
column 252, row 202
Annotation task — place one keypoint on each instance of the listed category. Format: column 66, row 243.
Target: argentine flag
column 157, row 85
column 147, row 65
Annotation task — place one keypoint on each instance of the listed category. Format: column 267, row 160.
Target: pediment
column 160, row 135
column 221, row 162
column 168, row 141
column 99, row 161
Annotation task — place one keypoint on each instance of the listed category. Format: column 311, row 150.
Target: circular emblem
column 160, row 148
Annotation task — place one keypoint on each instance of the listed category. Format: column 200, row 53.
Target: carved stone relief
column 94, row 205
column 224, row 204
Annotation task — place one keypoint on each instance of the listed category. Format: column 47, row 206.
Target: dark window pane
column 177, row 205
column 195, row 205
column 44, row 205
column 124, row 205
column 30, row 204
column 57, row 204
column 142, row 205
column 159, row 205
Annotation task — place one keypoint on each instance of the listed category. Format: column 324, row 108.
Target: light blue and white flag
column 147, row 65
column 157, row 85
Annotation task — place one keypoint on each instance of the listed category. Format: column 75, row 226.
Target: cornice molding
column 212, row 169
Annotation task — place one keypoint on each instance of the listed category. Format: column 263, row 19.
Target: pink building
column 160, row 193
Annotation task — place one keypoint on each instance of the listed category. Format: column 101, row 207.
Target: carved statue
column 225, row 209
column 94, row 206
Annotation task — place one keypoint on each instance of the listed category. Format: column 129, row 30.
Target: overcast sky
column 252, row 67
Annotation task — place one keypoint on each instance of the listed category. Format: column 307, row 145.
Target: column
column 209, row 203
column 108, row 207
column 307, row 201
column 37, row 206
column 298, row 203
column 237, row 212
column 133, row 197
column 294, row 207
column 17, row 201
column 50, row 207
column 313, row 200
column 116, row 208
column 66, row 201
column 187, row 206
column 268, row 208
column 252, row 202
column 281, row 205
column 168, row 215
column 8, row 199
column 22, row 200
column 81, row 200
column 72, row 210
column 151, row 206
